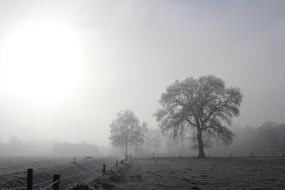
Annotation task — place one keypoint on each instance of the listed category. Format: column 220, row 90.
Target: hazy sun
column 40, row 62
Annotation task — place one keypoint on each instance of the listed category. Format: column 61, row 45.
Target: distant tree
column 139, row 134
column 204, row 104
column 153, row 140
column 126, row 130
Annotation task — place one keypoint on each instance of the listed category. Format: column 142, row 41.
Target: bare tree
column 126, row 130
column 205, row 104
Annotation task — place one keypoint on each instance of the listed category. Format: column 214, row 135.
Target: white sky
column 123, row 54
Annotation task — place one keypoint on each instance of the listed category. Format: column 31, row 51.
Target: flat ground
column 209, row 174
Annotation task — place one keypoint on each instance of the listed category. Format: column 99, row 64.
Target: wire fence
column 44, row 185
column 49, row 185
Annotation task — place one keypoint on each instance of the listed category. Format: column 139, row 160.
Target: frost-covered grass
column 164, row 173
column 13, row 170
column 209, row 174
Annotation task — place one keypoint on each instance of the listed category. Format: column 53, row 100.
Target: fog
column 123, row 54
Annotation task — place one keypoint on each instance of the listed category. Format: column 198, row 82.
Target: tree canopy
column 205, row 104
column 126, row 130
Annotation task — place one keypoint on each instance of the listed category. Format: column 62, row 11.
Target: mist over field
column 90, row 84
column 128, row 52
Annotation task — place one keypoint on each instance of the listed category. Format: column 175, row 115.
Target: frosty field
column 13, row 171
column 209, row 174
column 242, row 173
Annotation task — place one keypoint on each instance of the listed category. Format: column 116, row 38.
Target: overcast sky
column 124, row 54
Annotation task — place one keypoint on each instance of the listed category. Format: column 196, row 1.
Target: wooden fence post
column 55, row 186
column 30, row 179
column 104, row 169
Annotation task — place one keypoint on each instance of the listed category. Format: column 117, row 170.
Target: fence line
column 56, row 180
column 35, row 185
column 40, row 183
column 49, row 185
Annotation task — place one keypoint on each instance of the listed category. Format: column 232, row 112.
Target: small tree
column 205, row 104
column 126, row 130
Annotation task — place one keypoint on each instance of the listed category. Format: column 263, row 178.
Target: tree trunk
column 201, row 153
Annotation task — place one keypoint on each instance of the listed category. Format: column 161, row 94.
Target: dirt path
column 236, row 173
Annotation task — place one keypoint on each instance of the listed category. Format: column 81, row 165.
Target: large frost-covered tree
column 126, row 130
column 204, row 104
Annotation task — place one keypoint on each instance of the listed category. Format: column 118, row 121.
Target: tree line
column 266, row 139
